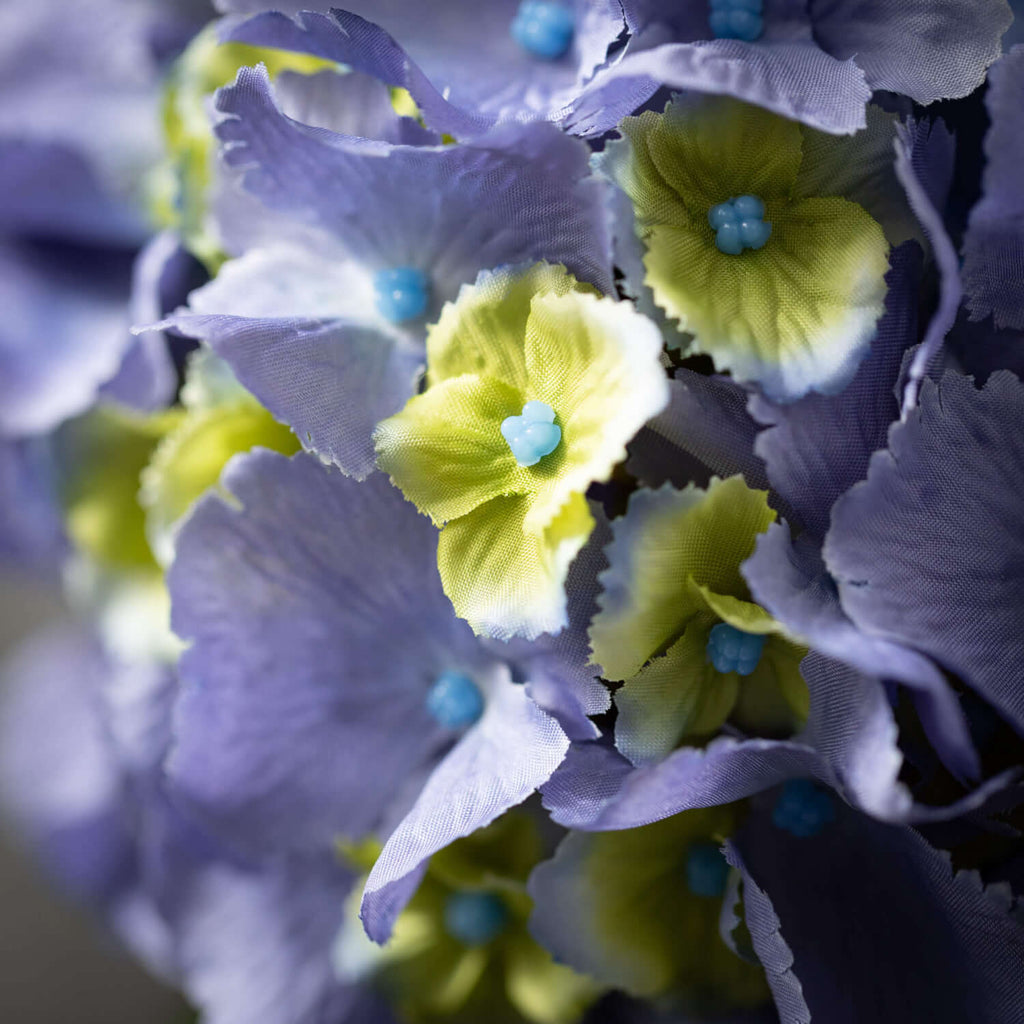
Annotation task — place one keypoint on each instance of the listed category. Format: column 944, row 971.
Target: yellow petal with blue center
column 639, row 909
column 445, row 449
column 668, row 546
column 794, row 310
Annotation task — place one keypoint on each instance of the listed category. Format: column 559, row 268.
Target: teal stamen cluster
column 803, row 809
column 474, row 918
column 533, row 434
column 707, row 871
column 544, row 29
column 455, row 701
column 737, row 19
column 739, row 224
column 731, row 650
column 403, row 293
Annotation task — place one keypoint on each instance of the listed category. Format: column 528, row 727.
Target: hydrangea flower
column 797, row 312
column 816, row 62
column 511, row 526
column 460, row 950
column 333, row 620
column 676, row 623
column 309, row 307
column 469, row 67
column 639, row 909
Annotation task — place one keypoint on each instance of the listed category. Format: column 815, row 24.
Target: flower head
column 514, row 349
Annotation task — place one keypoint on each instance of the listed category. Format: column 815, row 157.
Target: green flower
column 673, row 577
column 431, row 970
column 799, row 312
column 510, row 531
column 639, row 909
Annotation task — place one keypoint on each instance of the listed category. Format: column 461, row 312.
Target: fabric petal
column 668, row 541
column 511, row 751
column 330, row 381
column 445, row 449
column 791, row 581
column 292, row 598
column 706, row 418
column 507, row 580
column 777, row 77
column 923, row 49
column 947, row 582
column 993, row 268
column 902, row 935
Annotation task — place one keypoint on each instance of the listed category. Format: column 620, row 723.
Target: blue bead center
column 803, row 809
column 455, row 701
column 532, row 435
column 737, row 19
column 544, row 29
column 707, row 870
column 731, row 650
column 474, row 918
column 739, row 224
column 402, row 293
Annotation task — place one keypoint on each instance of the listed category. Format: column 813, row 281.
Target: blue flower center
column 455, row 701
column 803, row 809
column 731, row 650
column 544, row 29
column 739, row 224
column 474, row 918
column 737, row 19
column 532, row 435
column 706, row 870
column 402, row 293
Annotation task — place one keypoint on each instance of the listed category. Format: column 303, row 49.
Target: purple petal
column 511, row 751
column 317, row 625
column 790, row 580
column 816, row 448
column 877, row 925
column 330, row 382
column 994, row 244
column 925, row 49
column 707, row 419
column 925, row 560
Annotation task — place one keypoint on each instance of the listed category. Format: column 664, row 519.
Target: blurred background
column 56, row 964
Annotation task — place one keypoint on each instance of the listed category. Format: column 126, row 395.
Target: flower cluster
column 537, row 491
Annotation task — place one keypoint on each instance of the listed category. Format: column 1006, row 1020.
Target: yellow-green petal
column 702, row 151
column 596, row 362
column 103, row 455
column 189, row 460
column 669, row 544
column 631, row 920
column 540, row 989
column 482, row 331
column 677, row 695
column 445, row 449
column 774, row 700
column 795, row 315
column 504, row 579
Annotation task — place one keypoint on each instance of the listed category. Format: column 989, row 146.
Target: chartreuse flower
column 219, row 418
column 773, row 274
column 460, row 951
column 676, row 623
column 126, row 481
column 639, row 909
column 180, row 190
column 534, row 386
